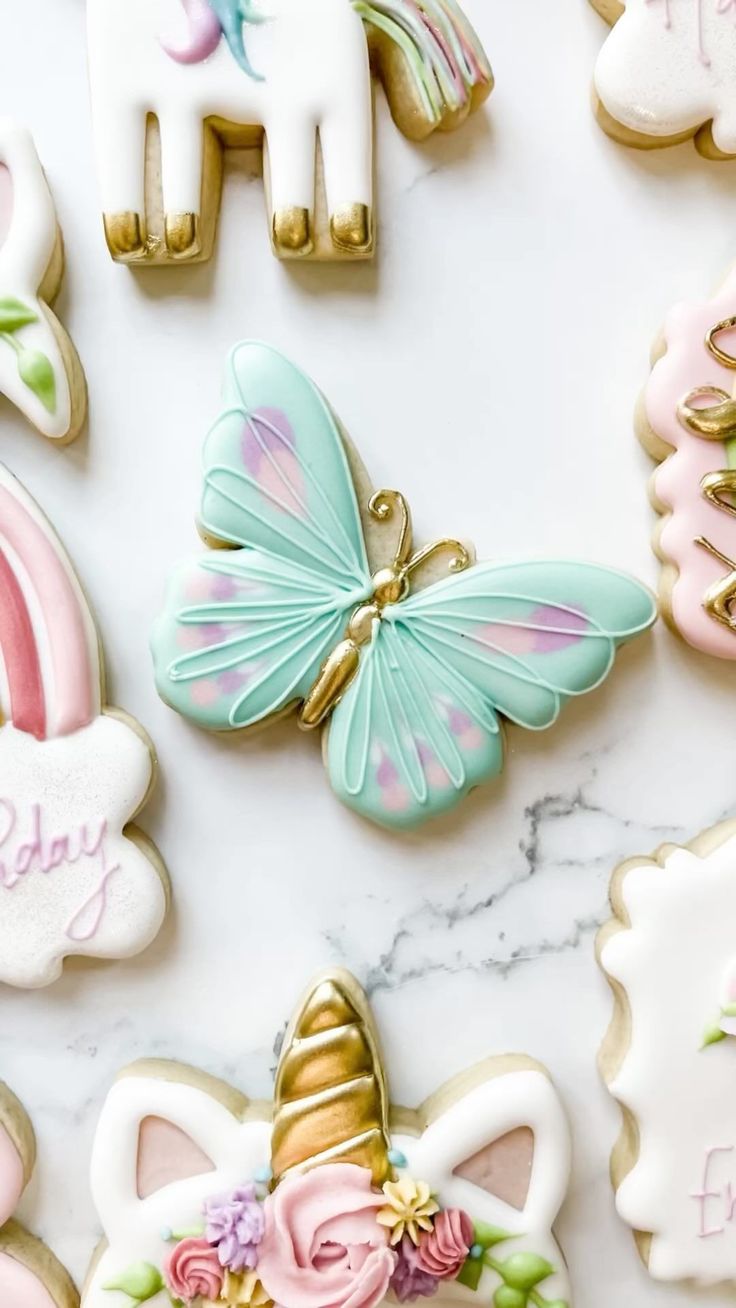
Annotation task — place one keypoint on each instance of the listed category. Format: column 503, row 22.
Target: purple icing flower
column 409, row 1281
column 234, row 1223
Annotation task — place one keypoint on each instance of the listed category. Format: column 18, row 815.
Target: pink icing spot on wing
column 268, row 452
column 431, row 766
column 205, row 693
column 549, row 642
column 6, row 202
column 395, row 797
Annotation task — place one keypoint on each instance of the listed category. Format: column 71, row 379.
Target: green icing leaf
column 728, row 1010
column 37, row 373
column 506, row 1297
column 470, row 1273
column 141, row 1281
column 487, row 1235
column 556, row 1303
column 522, row 1271
column 14, row 314
column 712, row 1035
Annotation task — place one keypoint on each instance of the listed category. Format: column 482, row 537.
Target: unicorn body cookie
column 74, row 878
column 39, row 369
column 330, row 1198
column 312, row 606
column 238, row 72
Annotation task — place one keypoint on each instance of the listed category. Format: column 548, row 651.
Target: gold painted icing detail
column 182, row 235
column 719, row 600
column 125, row 236
column 351, row 229
column 292, row 231
column 330, row 1101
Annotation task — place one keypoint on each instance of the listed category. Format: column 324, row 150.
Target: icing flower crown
column 341, row 1216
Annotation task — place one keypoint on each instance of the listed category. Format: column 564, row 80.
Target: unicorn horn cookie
column 216, row 73
column 39, row 369
column 74, row 877
column 332, row 1198
column 310, row 606
column 30, row 1276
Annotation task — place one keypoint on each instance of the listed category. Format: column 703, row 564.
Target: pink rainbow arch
column 48, row 643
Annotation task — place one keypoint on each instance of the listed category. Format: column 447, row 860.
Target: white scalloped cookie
column 205, row 1197
column 75, row 877
column 670, row 1054
column 665, row 74
column 40, row 372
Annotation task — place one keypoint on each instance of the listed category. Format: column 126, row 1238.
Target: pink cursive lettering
column 706, row 1194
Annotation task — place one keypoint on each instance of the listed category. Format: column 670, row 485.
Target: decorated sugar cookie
column 330, row 1197
column 30, row 1275
column 240, row 72
column 687, row 420
column 39, row 369
column 670, row 1054
column 75, row 878
column 317, row 604
column 664, row 73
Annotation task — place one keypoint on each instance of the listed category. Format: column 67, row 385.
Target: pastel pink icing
column 6, row 202
column 20, row 1287
column 688, row 364
column 192, row 1269
column 323, row 1247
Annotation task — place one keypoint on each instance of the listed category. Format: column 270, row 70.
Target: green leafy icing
column 141, row 1281
column 34, row 368
column 520, row 1273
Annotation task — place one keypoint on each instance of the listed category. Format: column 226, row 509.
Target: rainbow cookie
column 314, row 605
column 39, row 369
column 664, row 74
column 686, row 420
column 74, row 877
column 217, row 73
column 330, row 1196
column 30, row 1276
column 670, row 1055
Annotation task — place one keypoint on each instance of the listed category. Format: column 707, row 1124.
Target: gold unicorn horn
column 330, row 1102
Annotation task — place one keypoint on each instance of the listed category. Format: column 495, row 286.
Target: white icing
column 97, row 775
column 25, row 255
column 133, row 1226
column 671, row 964
column 664, row 76
column 314, row 62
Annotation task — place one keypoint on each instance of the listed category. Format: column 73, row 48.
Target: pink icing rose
column 443, row 1250
column 193, row 1268
column 323, row 1247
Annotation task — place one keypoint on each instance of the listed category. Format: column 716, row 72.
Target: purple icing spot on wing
column 269, row 456
column 223, row 588
column 549, row 642
column 232, row 681
column 265, row 430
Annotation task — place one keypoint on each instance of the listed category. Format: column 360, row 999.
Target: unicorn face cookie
column 39, row 369
column 30, row 1276
column 665, row 73
column 687, row 421
column 330, row 1197
column 241, row 72
column 670, row 1055
column 74, row 878
column 314, row 605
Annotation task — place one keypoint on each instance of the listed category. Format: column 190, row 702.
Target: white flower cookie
column 74, row 878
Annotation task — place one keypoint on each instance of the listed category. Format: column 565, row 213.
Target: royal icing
column 273, row 69
column 665, row 69
column 71, row 776
column 672, row 964
column 323, row 1172
column 698, row 536
column 294, row 612
column 39, row 370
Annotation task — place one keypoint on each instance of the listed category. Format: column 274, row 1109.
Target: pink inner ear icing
column 6, row 202
column 20, row 1287
column 166, row 1154
column 12, row 1180
column 504, row 1167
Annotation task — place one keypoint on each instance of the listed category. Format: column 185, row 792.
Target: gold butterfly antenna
column 330, row 1098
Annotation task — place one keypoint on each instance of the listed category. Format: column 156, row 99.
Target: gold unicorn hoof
column 351, row 229
column 125, row 236
column 182, row 236
column 292, row 232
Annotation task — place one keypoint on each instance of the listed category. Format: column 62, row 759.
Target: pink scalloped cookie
column 75, row 877
column 686, row 420
column 30, row 1275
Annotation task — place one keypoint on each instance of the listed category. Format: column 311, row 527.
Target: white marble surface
column 487, row 364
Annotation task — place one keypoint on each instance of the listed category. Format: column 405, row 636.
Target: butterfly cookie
column 304, row 609
column 39, row 369
column 330, row 1196
column 30, row 1276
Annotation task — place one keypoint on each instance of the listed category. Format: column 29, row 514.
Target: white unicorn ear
column 166, row 1154
column 497, row 1144
column 28, row 229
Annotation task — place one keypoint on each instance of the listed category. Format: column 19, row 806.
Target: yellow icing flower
column 243, row 1291
column 409, row 1210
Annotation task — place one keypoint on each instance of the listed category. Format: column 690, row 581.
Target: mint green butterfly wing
column 419, row 726
column 244, row 630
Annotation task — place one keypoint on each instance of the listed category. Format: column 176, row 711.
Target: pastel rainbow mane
column 49, row 660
